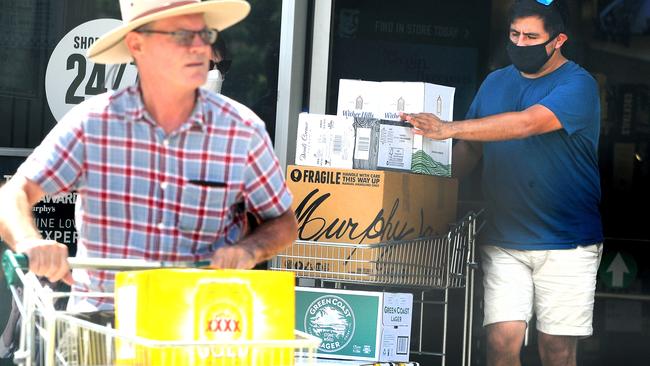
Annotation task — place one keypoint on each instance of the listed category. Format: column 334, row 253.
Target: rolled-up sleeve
column 56, row 165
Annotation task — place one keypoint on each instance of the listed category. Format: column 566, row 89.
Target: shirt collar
column 196, row 119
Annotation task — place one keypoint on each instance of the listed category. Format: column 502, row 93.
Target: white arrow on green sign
column 617, row 269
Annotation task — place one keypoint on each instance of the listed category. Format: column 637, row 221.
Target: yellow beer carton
column 204, row 306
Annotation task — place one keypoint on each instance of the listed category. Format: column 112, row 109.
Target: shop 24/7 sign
column 71, row 78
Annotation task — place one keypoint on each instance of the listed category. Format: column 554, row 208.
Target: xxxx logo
column 218, row 324
column 224, row 324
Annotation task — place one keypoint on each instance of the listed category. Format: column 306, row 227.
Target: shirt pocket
column 203, row 208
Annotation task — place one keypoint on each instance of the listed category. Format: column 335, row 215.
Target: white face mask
column 214, row 81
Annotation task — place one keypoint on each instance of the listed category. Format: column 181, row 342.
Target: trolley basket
column 435, row 262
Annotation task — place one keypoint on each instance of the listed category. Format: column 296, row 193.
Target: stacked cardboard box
column 326, row 141
column 365, row 207
column 382, row 144
column 360, row 143
column 385, row 101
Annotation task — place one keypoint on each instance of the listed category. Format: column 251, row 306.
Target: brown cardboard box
column 361, row 207
column 369, row 206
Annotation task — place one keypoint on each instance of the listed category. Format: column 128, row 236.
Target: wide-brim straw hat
column 111, row 48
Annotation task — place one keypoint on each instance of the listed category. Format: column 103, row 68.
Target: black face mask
column 529, row 59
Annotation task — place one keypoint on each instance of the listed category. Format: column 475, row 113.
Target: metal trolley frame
column 437, row 263
column 53, row 337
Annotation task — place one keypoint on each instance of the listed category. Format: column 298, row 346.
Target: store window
column 440, row 42
column 254, row 46
column 30, row 32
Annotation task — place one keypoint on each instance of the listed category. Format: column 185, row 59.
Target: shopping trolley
column 424, row 264
column 52, row 337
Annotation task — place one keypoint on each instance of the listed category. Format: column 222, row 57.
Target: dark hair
column 219, row 46
column 555, row 16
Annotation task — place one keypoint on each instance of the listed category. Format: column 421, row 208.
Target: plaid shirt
column 148, row 195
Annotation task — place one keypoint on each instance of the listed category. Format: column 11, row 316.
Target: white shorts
column 557, row 285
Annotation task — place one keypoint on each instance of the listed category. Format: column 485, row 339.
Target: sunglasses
column 223, row 66
column 545, row 2
column 186, row 37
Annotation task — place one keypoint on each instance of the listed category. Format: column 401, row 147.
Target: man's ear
column 561, row 38
column 133, row 42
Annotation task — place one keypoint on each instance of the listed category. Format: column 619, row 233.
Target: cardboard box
column 325, row 141
column 366, row 143
column 364, row 207
column 428, row 156
column 382, row 144
column 416, row 97
column 358, row 98
column 368, row 206
column 432, row 157
column 356, row 325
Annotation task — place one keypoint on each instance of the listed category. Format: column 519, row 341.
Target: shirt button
column 161, row 225
column 166, row 142
column 164, row 185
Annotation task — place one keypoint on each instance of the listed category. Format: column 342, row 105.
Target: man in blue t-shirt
column 538, row 122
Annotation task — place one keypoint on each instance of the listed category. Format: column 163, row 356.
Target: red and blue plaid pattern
column 144, row 194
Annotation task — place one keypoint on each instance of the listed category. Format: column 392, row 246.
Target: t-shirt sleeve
column 575, row 103
column 471, row 112
column 267, row 193
column 56, row 164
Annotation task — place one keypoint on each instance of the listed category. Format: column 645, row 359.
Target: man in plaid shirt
column 164, row 170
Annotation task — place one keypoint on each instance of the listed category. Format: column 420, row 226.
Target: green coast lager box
column 356, row 325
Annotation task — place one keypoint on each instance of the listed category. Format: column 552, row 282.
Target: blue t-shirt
column 543, row 192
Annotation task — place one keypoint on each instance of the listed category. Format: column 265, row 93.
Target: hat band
column 163, row 8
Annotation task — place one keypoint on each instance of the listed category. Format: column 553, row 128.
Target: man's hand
column 46, row 258
column 233, row 257
column 427, row 125
column 269, row 238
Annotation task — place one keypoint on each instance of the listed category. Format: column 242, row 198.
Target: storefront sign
column 71, row 78
column 53, row 215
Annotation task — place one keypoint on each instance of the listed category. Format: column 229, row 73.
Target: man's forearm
column 505, row 126
column 271, row 236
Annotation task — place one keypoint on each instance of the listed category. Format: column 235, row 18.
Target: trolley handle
column 13, row 261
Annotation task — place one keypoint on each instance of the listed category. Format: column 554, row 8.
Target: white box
column 432, row 157
column 388, row 99
column 325, row 141
column 358, row 98
column 415, row 97
column 395, row 147
column 382, row 144
column 356, row 325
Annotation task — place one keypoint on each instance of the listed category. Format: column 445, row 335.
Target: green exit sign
column 617, row 269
